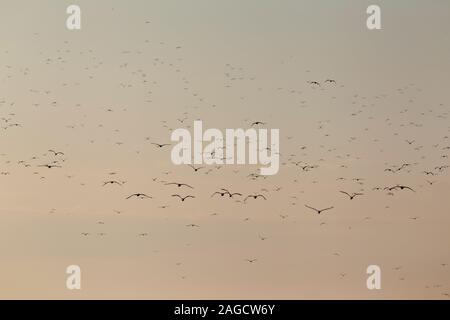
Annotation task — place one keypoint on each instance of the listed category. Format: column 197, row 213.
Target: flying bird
column 159, row 145
column 353, row 195
column 255, row 196
column 50, row 166
column 257, row 123
column 182, row 198
column 112, row 182
column 179, row 185
column 195, row 168
column 317, row 210
column 139, row 196
column 193, row 225
column 56, row 153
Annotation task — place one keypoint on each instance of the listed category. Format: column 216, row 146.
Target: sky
column 135, row 72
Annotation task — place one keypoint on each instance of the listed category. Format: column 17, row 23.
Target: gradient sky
column 102, row 94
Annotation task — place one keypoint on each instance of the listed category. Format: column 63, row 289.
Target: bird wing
column 345, row 193
column 311, row 208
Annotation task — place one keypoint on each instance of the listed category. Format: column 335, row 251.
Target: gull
column 351, row 195
column 182, row 198
column 398, row 169
column 234, row 194
column 251, row 260
column 178, row 184
column 222, row 193
column 49, row 166
column 56, row 153
column 257, row 123
column 111, row 182
column 403, row 166
column 139, row 195
column 401, row 187
column 194, row 168
column 255, row 196
column 307, row 167
column 161, row 145
column 182, row 120
column 317, row 210
column 193, row 225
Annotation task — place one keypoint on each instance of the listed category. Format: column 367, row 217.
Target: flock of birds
column 301, row 164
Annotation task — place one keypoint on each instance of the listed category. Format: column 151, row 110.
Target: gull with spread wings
column 317, row 210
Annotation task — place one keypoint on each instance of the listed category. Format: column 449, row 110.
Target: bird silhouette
column 351, row 196
column 139, row 196
column 112, row 182
column 255, row 196
column 195, row 168
column 56, row 153
column 317, row 210
column 182, row 198
column 179, row 185
column 50, row 166
column 160, row 145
